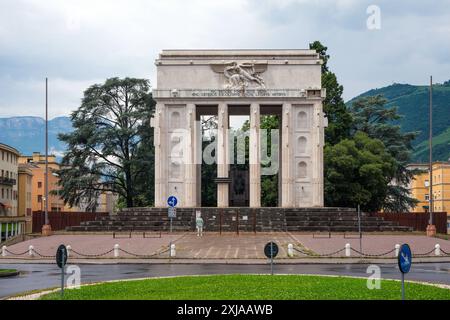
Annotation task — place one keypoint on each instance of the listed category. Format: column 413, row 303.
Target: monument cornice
column 310, row 93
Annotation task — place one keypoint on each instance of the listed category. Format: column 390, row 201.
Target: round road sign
column 404, row 258
column 172, row 201
column 271, row 250
column 61, row 256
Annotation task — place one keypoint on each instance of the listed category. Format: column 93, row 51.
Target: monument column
column 222, row 155
column 255, row 156
column 287, row 186
column 160, row 155
column 190, row 189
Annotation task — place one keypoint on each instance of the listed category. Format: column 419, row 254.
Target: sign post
column 271, row 251
column 61, row 260
column 404, row 263
column 172, row 213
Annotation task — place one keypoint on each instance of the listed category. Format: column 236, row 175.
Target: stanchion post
column 347, row 250
column 437, row 249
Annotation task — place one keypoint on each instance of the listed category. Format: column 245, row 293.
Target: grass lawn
column 8, row 272
column 242, row 287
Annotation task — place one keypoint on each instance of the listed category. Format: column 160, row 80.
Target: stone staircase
column 242, row 219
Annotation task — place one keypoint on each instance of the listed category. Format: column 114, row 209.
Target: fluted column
column 255, row 156
column 160, row 155
column 287, row 181
column 222, row 155
column 190, row 197
column 320, row 144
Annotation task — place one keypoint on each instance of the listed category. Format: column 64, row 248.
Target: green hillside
column 413, row 103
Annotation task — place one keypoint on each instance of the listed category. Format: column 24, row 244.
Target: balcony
column 7, row 181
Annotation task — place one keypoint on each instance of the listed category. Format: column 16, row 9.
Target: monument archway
column 255, row 82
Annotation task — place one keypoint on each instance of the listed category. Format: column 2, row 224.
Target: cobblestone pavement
column 229, row 246
column 371, row 244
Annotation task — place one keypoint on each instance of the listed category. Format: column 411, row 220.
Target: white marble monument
column 191, row 83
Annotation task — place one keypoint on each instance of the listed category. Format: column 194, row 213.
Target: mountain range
column 413, row 105
column 27, row 133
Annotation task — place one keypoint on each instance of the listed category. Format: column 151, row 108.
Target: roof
column 9, row 148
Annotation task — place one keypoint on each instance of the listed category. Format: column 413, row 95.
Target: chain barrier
column 41, row 255
column 144, row 255
column 362, row 254
column 16, row 254
column 319, row 255
column 92, row 255
column 423, row 254
column 372, row 255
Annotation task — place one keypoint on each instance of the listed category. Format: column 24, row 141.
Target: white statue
column 242, row 75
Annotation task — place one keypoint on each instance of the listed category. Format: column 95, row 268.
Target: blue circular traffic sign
column 172, row 201
column 404, row 258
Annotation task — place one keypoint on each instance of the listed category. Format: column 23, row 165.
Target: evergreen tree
column 111, row 146
column 372, row 117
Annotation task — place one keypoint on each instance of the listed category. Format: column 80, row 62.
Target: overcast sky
column 82, row 42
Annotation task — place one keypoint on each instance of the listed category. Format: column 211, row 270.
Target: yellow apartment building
column 419, row 186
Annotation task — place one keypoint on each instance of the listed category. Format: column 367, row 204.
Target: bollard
column 30, row 251
column 116, row 251
column 397, row 249
column 347, row 250
column 173, row 250
column 4, row 251
column 437, row 249
column 290, row 250
column 69, row 248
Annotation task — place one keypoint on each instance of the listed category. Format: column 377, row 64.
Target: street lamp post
column 431, row 228
column 46, row 228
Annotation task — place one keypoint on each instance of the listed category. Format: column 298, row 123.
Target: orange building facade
column 420, row 187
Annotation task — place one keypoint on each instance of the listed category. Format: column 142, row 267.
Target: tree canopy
column 111, row 146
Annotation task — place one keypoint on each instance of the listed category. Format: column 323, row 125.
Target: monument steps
column 242, row 219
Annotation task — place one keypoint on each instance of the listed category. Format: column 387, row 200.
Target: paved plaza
column 228, row 246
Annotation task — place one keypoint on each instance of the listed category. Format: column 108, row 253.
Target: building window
column 39, row 184
column 39, row 197
column 427, row 197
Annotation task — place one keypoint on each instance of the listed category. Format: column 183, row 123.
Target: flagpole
column 46, row 228
column 431, row 228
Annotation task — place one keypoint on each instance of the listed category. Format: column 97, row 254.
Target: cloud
column 80, row 43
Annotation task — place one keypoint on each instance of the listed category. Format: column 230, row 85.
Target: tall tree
column 339, row 118
column 111, row 146
column 358, row 171
column 372, row 117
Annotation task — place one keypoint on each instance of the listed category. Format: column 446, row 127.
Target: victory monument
column 192, row 83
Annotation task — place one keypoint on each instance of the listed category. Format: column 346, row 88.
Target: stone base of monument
column 242, row 219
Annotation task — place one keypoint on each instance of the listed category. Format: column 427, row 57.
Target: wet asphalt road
column 41, row 276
